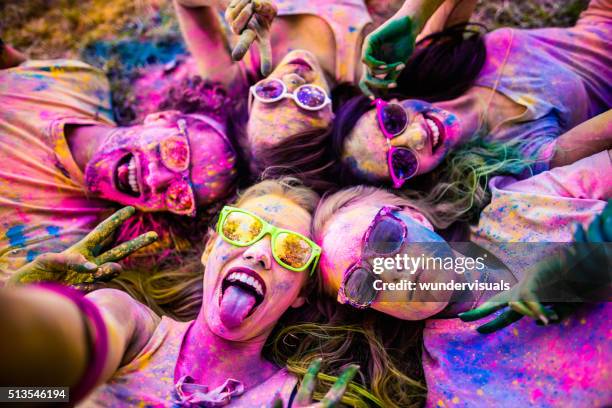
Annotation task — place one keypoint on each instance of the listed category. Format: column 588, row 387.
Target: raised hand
column 84, row 264
column 251, row 20
column 303, row 398
column 581, row 272
column 384, row 54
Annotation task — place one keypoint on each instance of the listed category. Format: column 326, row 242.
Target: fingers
column 376, row 83
column 394, row 68
column 365, row 90
column 107, row 272
column 241, row 21
column 265, row 47
column 244, row 42
column 105, row 229
column 483, row 310
column 304, row 395
column 371, row 62
column 503, row 320
column 88, row 287
column 595, row 230
column 334, row 395
column 234, row 9
column 122, row 251
column 580, row 235
column 66, row 262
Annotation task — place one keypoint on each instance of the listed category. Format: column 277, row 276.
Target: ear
column 161, row 117
column 208, row 247
column 299, row 302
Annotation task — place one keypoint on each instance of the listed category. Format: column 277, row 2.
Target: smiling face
column 341, row 245
column 245, row 290
column 157, row 166
column 272, row 123
column 431, row 132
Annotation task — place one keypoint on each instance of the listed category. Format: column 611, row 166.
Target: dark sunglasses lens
column 386, row 236
column 311, row 96
column 404, row 163
column 394, row 119
column 268, row 90
column 359, row 287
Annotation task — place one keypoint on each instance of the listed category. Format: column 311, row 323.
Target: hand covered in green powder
column 384, row 54
column 557, row 285
column 251, row 20
column 303, row 398
column 85, row 263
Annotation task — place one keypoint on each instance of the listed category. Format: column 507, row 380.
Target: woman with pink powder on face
column 66, row 165
column 215, row 360
column 524, row 364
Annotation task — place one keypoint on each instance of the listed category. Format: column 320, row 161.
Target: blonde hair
column 388, row 349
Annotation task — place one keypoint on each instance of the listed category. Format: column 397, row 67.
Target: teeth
column 132, row 179
column 435, row 131
column 247, row 280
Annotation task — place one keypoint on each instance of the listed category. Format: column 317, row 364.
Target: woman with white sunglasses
column 312, row 47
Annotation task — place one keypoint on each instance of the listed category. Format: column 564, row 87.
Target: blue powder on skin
column 53, row 230
column 16, row 236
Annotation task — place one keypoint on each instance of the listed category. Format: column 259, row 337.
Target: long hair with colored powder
column 443, row 67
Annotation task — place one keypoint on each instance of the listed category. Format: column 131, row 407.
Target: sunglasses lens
column 359, row 287
column 386, row 236
column 404, row 163
column 292, row 249
column 241, row 228
column 180, row 198
column 311, row 96
column 393, row 118
column 269, row 90
column 174, row 153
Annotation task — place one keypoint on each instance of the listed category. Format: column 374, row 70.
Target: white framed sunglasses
column 308, row 97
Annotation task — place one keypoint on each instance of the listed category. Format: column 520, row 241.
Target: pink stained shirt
column 561, row 76
column 43, row 203
column 149, row 379
column 567, row 364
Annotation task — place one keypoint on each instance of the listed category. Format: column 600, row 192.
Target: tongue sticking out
column 236, row 304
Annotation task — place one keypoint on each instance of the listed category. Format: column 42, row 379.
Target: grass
column 61, row 28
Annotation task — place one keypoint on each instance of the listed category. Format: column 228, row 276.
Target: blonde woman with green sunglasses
column 257, row 272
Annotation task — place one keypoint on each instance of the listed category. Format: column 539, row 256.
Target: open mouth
column 242, row 291
column 126, row 176
column 435, row 129
column 301, row 62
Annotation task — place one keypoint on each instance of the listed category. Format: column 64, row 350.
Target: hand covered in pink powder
column 251, row 20
column 333, row 397
column 85, row 264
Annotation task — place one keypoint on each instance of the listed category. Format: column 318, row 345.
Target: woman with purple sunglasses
column 512, row 101
column 366, row 236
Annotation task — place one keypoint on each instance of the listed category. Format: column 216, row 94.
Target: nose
column 415, row 137
column 292, row 81
column 159, row 178
column 260, row 253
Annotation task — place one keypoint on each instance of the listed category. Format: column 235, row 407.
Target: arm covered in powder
column 55, row 336
column 206, row 40
column 586, row 139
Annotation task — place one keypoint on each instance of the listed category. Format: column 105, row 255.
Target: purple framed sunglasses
column 402, row 161
column 384, row 237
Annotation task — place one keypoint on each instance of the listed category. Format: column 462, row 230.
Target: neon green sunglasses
column 290, row 249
